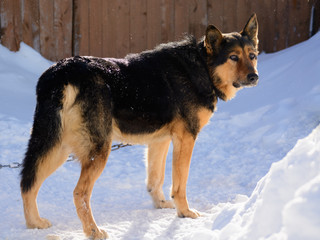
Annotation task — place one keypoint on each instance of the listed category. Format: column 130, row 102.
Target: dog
column 152, row 98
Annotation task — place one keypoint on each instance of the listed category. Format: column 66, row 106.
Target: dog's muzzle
column 252, row 80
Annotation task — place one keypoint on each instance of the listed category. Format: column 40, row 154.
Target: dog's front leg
column 183, row 144
column 157, row 154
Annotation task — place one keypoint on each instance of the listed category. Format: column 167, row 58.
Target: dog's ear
column 251, row 29
column 212, row 40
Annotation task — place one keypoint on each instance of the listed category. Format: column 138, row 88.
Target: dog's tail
column 46, row 129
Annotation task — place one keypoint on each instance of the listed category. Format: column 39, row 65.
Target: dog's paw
column 164, row 204
column 99, row 234
column 189, row 213
column 41, row 223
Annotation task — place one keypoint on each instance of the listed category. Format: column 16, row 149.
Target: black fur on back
column 140, row 93
column 155, row 86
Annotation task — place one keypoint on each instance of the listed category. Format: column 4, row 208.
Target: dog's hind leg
column 91, row 169
column 157, row 154
column 44, row 155
column 47, row 165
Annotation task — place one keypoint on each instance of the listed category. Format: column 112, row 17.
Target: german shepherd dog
column 155, row 97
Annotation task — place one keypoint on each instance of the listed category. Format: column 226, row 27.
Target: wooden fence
column 113, row 28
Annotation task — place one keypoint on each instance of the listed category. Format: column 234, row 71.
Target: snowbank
column 285, row 203
column 19, row 72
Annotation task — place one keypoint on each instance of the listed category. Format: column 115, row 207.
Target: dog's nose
column 252, row 77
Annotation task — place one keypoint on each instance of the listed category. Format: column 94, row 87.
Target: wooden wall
column 113, row 28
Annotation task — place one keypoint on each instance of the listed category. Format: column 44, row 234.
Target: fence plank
column 167, row 26
column 81, row 27
column 123, row 23
column 138, row 26
column 62, row 24
column 47, row 42
column 30, row 23
column 230, row 16
column 106, row 8
column 316, row 16
column 268, row 31
column 243, row 14
column 215, row 13
column 116, row 28
column 181, row 22
column 281, row 28
column 10, row 24
column 198, row 17
column 298, row 25
column 95, row 28
column 154, row 10
column 17, row 23
column 110, row 28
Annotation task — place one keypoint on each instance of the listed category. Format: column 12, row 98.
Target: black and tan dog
column 153, row 98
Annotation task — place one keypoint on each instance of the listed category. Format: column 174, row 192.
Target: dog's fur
column 155, row 97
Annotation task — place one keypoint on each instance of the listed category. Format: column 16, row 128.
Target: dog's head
column 232, row 58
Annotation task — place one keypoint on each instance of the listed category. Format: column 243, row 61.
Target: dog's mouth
column 236, row 85
column 245, row 84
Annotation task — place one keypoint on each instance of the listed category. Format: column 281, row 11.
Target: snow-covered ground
column 255, row 171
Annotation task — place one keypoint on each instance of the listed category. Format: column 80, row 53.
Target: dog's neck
column 204, row 55
column 220, row 94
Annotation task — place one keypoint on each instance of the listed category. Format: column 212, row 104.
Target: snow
column 255, row 171
column 294, row 185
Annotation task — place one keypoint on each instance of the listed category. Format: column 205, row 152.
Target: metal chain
column 11, row 165
column 70, row 158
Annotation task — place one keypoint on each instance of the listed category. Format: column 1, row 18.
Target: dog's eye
column 234, row 58
column 252, row 56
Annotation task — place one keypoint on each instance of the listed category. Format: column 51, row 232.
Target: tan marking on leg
column 157, row 154
column 183, row 143
column 31, row 213
column 74, row 132
column 204, row 116
column 69, row 95
column 91, row 170
column 49, row 163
